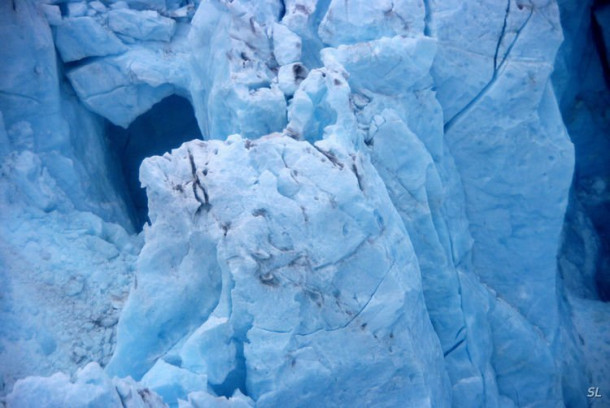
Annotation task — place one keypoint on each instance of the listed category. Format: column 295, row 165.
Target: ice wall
column 581, row 80
column 66, row 243
column 372, row 218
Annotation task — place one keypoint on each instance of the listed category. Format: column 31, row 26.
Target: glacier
column 304, row 203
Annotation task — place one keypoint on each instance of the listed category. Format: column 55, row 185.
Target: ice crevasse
column 347, row 203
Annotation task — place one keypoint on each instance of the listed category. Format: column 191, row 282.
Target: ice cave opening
column 165, row 126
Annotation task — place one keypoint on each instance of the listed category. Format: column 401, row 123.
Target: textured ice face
column 372, row 219
column 90, row 387
column 281, row 260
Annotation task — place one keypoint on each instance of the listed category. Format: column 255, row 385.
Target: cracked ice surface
column 293, row 254
column 373, row 217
